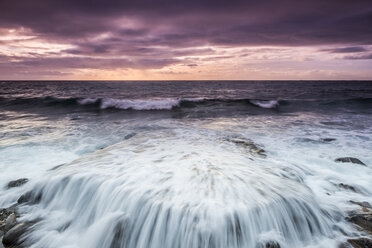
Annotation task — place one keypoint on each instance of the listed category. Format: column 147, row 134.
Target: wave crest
column 137, row 104
column 265, row 104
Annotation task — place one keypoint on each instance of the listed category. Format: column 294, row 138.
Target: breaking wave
column 176, row 103
column 265, row 104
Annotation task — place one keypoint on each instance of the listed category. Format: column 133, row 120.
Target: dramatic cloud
column 180, row 37
column 353, row 49
column 366, row 56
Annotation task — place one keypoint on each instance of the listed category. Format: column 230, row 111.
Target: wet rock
column 327, row 139
column 360, row 243
column 4, row 213
column 316, row 141
column 363, row 220
column 7, row 219
column 349, row 160
column 56, row 167
column 347, row 187
column 17, row 183
column 269, row 244
column 251, row 146
column 29, row 197
column 11, row 219
column 345, row 245
column 13, row 237
column 362, row 204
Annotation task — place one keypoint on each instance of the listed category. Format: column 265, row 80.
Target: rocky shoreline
column 11, row 230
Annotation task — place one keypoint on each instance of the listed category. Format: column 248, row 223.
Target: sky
column 185, row 40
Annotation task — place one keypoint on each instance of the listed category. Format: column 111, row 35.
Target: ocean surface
column 200, row 164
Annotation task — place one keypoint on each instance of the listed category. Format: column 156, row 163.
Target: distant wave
column 136, row 104
column 175, row 103
column 104, row 103
column 151, row 104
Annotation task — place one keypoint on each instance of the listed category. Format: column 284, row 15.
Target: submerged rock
column 11, row 219
column 316, row 141
column 17, row 183
column 349, row 160
column 29, row 197
column 327, row 139
column 268, row 244
column 363, row 220
column 360, row 243
column 362, row 204
column 251, row 146
column 13, row 237
column 347, row 187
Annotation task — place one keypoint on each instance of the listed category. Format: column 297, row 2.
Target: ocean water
column 209, row 164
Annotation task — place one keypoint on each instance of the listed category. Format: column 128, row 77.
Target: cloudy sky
column 185, row 39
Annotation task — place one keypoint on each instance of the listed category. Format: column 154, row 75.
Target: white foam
column 265, row 104
column 139, row 104
column 181, row 183
column 198, row 194
column 87, row 101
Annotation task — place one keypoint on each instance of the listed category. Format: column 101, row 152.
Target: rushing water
column 178, row 164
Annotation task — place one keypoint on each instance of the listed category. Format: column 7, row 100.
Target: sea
column 186, row 164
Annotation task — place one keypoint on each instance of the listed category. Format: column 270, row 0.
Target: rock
column 11, row 219
column 13, row 236
column 268, row 244
column 4, row 213
column 8, row 219
column 344, row 245
column 350, row 160
column 347, row 187
column 316, row 141
column 251, row 146
column 362, row 204
column 363, row 220
column 29, row 197
column 17, row 183
column 360, row 243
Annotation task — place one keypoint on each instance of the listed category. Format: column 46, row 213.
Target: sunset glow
column 174, row 41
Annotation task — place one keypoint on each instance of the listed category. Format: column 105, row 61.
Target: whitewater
column 214, row 165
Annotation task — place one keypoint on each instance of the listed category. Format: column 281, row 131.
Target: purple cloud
column 145, row 34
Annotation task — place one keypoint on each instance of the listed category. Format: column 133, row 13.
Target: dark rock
column 29, row 197
column 350, row 160
column 4, row 213
column 7, row 218
column 362, row 204
column 17, row 183
column 14, row 236
column 344, row 245
column 316, row 141
column 56, row 167
column 251, row 146
column 364, row 220
column 268, row 244
column 360, row 243
column 11, row 219
column 347, row 187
